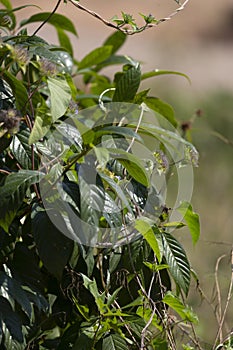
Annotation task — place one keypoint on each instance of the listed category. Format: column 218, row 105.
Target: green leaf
column 127, row 85
column 92, row 196
column 57, row 20
column 13, row 192
column 41, row 126
column 117, row 189
column 54, row 247
column 176, row 304
column 21, row 149
column 93, row 289
column 95, row 57
column 116, row 40
column 18, row 89
column 6, row 3
column 123, row 131
column 64, row 40
column 132, row 165
column 146, row 314
column 60, row 96
column 114, row 342
column 144, row 226
column 11, row 320
column 192, row 220
column 158, row 72
column 177, row 260
column 11, row 287
column 155, row 267
column 162, row 108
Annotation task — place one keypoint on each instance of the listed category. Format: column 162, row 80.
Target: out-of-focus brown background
column 199, row 42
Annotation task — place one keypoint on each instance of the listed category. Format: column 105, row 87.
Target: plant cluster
column 56, row 292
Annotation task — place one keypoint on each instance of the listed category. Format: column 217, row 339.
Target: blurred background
column 198, row 42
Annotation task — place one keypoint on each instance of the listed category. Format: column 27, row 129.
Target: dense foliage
column 111, row 293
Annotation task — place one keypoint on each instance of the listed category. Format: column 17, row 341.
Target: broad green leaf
column 116, row 40
column 7, row 4
column 11, row 319
column 91, row 194
column 9, row 286
column 113, row 60
column 162, row 108
column 53, row 246
column 64, row 40
column 158, row 72
column 127, row 85
column 144, row 226
column 60, row 96
column 18, row 89
column 114, row 342
column 146, row 314
column 57, row 20
column 13, row 192
column 41, row 126
column 177, row 260
column 21, row 149
column 84, row 342
column 176, row 304
column 132, row 164
column 192, row 220
column 95, row 57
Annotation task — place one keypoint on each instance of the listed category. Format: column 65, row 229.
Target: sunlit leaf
column 60, row 96
column 192, row 220
column 176, row 304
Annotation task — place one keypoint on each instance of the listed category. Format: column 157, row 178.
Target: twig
column 48, row 18
column 219, row 306
column 126, row 31
column 229, row 296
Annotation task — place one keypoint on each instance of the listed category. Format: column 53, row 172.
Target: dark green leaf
column 18, row 89
column 162, row 108
column 92, row 196
column 114, row 342
column 11, row 319
column 64, row 40
column 11, row 287
column 95, row 57
column 21, row 149
column 116, row 40
column 132, row 165
column 192, row 220
column 13, row 192
column 57, row 20
column 177, row 260
column 127, row 85
column 54, row 248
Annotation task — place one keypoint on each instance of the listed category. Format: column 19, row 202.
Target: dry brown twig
column 108, row 23
column 221, row 315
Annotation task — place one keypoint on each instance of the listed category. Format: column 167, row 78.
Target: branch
column 127, row 31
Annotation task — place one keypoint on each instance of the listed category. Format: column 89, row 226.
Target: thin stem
column 126, row 31
column 48, row 18
column 223, row 316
